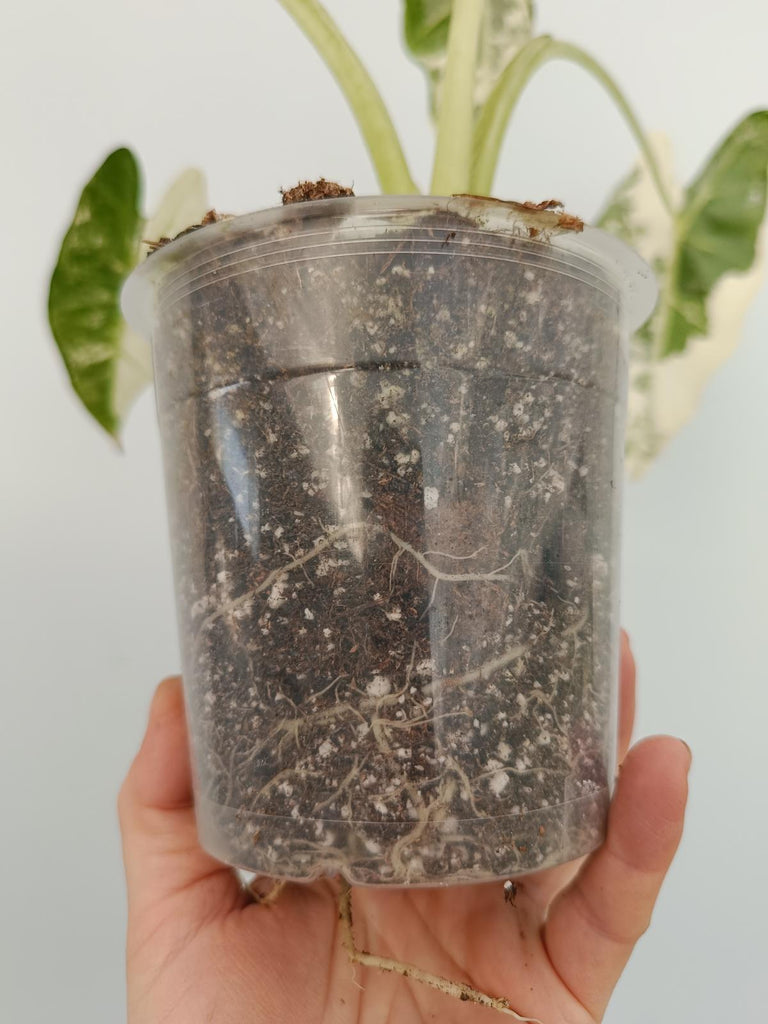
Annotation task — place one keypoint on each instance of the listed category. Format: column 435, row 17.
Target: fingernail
column 690, row 752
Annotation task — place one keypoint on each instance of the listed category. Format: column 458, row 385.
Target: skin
column 199, row 949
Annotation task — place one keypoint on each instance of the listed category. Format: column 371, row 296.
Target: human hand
column 199, row 949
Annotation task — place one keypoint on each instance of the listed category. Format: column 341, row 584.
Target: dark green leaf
column 99, row 250
column 718, row 226
column 426, row 26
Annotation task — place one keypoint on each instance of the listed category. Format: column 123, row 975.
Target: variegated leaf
column 706, row 259
column 108, row 363
column 99, row 250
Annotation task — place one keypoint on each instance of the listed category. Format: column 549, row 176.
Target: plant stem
column 358, row 87
column 568, row 51
column 498, row 108
column 496, row 111
column 453, row 154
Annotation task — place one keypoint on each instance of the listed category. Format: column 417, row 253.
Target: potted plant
column 392, row 432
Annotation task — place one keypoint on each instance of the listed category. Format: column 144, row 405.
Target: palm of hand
column 285, row 961
column 199, row 949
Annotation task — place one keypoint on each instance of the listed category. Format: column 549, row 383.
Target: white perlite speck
column 325, row 749
column 499, row 782
column 406, row 458
column 276, row 597
column 379, row 686
column 431, row 496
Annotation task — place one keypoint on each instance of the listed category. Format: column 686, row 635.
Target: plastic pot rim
column 634, row 279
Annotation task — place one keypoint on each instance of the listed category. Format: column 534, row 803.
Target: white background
column 86, row 609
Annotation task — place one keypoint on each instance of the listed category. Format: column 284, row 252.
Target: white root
column 228, row 607
column 456, row 989
column 268, row 898
column 484, row 671
column 487, row 669
column 450, row 577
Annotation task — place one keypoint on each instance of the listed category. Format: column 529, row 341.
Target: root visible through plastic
column 458, row 990
column 484, row 671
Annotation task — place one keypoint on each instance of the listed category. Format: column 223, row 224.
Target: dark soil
column 307, row 191
column 391, row 488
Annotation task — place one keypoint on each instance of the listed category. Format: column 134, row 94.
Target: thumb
column 593, row 925
column 161, row 851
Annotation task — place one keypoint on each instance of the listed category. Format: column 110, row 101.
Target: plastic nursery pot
column 393, row 438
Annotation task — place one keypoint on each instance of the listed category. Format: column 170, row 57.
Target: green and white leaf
column 507, row 27
column 108, row 363
column 98, row 252
column 706, row 259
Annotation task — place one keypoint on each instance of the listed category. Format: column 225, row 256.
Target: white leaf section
column 664, row 393
column 133, row 371
column 185, row 203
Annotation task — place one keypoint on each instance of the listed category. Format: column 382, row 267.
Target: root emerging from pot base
column 458, row 990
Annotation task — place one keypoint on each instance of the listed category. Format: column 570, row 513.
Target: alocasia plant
column 478, row 56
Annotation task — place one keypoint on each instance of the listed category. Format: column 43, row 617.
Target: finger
column 594, row 924
column 627, row 687
column 161, row 851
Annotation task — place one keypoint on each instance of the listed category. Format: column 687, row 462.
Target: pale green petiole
column 495, row 114
column 453, row 154
column 362, row 95
column 467, row 151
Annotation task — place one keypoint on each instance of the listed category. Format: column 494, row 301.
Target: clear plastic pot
column 393, row 438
